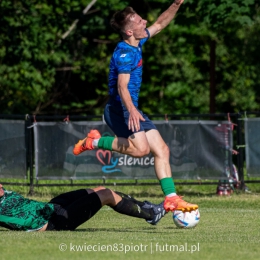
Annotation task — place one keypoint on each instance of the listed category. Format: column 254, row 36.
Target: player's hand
column 178, row 2
column 134, row 120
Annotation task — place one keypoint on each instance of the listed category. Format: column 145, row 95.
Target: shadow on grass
column 149, row 229
column 142, row 194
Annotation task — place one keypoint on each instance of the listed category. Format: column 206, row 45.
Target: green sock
column 106, row 142
column 167, row 186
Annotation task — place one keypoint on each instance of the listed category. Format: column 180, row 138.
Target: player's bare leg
column 161, row 154
column 138, row 145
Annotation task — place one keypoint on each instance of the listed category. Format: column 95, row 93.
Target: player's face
column 138, row 25
column 176, row 149
column 2, row 192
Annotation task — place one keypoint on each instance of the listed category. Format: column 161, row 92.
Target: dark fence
column 38, row 148
column 13, row 155
column 252, row 147
column 199, row 150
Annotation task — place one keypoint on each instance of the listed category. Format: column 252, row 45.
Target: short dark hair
column 121, row 18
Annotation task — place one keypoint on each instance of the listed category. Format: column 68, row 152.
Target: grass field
column 228, row 229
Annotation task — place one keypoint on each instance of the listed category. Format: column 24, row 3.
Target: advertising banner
column 198, row 150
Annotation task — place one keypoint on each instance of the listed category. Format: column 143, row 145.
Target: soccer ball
column 186, row 219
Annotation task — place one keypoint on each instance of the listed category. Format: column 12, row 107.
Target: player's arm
column 165, row 18
column 134, row 115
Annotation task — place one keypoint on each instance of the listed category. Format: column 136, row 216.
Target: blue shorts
column 116, row 117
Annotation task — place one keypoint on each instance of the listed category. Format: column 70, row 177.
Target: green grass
column 228, row 229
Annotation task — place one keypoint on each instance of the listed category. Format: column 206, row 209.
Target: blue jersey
column 127, row 59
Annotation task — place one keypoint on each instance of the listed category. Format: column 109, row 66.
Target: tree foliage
column 41, row 73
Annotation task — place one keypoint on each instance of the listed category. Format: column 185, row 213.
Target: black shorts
column 116, row 117
column 72, row 209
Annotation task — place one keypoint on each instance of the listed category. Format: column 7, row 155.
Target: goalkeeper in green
column 69, row 210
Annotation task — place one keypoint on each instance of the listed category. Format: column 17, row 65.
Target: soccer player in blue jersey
column 136, row 135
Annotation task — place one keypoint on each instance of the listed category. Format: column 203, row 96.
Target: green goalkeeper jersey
column 19, row 213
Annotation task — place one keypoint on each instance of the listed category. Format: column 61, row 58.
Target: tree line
column 205, row 61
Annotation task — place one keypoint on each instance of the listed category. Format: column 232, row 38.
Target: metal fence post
column 30, row 140
column 240, row 157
